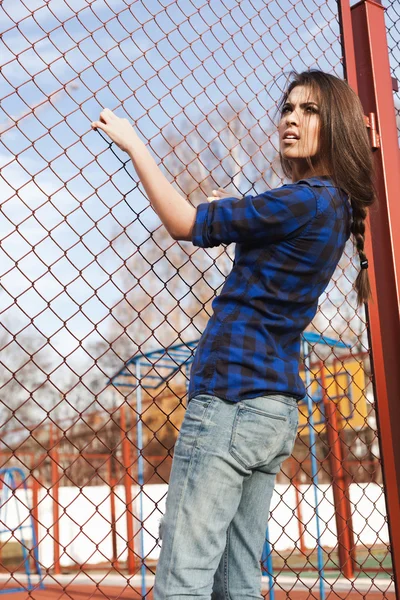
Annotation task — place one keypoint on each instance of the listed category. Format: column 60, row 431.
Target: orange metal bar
column 55, row 495
column 1, row 544
column 111, row 483
column 338, row 481
column 35, row 511
column 345, row 461
column 128, row 491
column 299, row 512
column 383, row 245
column 347, row 41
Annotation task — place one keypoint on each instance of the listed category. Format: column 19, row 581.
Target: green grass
column 375, row 558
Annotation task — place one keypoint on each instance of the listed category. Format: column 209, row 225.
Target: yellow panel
column 346, row 387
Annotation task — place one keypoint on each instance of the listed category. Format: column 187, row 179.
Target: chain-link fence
column 392, row 15
column 101, row 310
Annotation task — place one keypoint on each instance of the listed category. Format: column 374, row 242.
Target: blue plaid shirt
column 288, row 243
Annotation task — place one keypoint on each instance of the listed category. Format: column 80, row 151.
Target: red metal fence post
column 374, row 84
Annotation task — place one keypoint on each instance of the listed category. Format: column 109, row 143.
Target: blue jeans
column 223, row 473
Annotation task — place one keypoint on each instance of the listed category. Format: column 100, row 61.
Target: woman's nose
column 292, row 119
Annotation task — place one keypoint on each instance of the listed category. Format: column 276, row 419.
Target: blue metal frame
column 8, row 488
column 171, row 360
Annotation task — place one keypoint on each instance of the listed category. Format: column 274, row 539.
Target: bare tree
column 170, row 284
column 27, row 395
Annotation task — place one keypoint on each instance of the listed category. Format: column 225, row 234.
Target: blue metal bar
column 181, row 350
column 267, row 558
column 34, row 541
column 140, row 474
column 181, row 345
column 20, row 527
column 9, row 485
column 25, row 554
column 317, row 338
column 128, row 385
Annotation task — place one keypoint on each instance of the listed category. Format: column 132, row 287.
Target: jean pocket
column 257, row 436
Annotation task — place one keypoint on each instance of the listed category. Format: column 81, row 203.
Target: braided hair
column 362, row 283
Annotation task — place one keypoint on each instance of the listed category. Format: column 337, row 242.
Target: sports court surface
column 335, row 589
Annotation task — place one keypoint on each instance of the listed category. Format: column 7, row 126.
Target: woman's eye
column 310, row 109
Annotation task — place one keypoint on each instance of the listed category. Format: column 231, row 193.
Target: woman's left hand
column 119, row 130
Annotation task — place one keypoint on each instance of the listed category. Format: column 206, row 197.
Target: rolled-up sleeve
column 271, row 216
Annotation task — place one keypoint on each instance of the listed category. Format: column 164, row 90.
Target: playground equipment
column 128, row 462
column 157, row 367
column 9, row 487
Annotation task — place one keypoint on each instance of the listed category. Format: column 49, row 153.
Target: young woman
column 242, row 417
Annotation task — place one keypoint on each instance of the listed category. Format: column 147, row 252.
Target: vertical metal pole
column 2, row 520
column 111, row 483
column 383, row 245
column 140, row 470
column 267, row 558
column 299, row 514
column 14, row 487
column 347, row 40
column 338, row 481
column 55, row 496
column 187, row 374
column 35, row 516
column 126, row 461
column 346, row 474
column 314, row 467
column 34, row 526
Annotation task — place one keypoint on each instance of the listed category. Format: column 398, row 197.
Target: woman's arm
column 175, row 212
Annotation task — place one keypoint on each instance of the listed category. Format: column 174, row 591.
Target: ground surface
column 86, row 592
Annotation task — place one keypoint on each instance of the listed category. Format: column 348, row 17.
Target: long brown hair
column 344, row 151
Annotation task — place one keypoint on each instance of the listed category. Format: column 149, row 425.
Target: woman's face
column 300, row 116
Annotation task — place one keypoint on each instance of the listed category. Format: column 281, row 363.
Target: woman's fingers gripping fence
column 220, row 193
column 118, row 129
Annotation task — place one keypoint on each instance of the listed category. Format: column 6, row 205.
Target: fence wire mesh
column 392, row 18
column 101, row 310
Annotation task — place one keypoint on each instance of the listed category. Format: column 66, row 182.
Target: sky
column 159, row 64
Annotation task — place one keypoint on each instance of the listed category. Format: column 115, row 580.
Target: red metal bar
column 347, row 41
column 112, row 482
column 338, row 481
column 128, row 491
column 1, row 544
column 55, row 495
column 299, row 514
column 383, row 245
column 35, row 511
column 346, row 475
